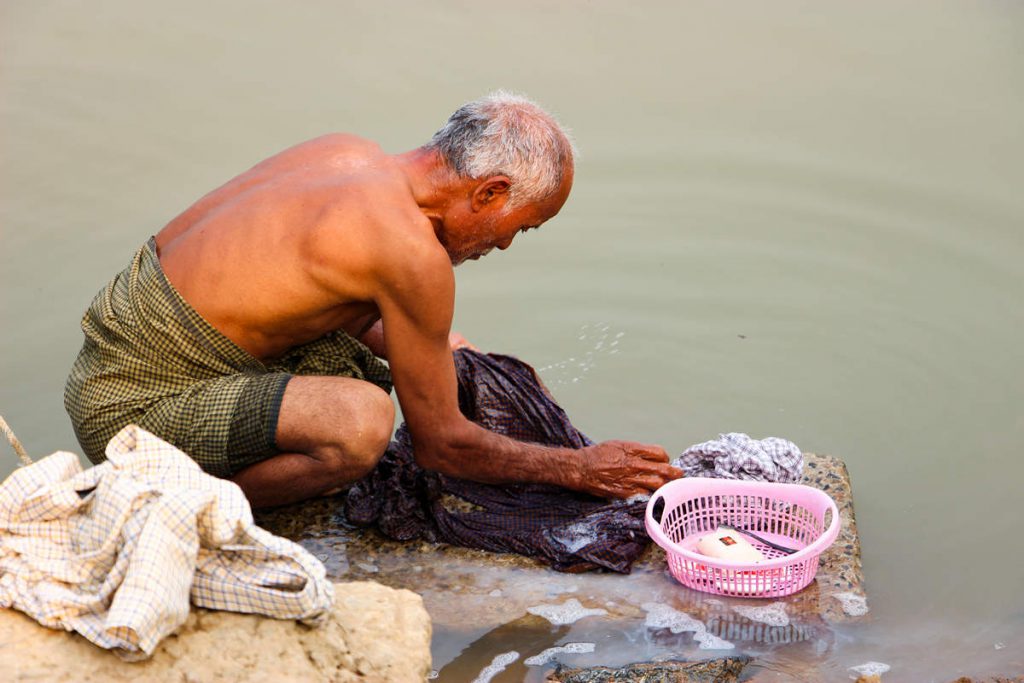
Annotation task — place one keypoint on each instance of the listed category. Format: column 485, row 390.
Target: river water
column 792, row 219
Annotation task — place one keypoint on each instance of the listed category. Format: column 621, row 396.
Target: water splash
column 575, row 368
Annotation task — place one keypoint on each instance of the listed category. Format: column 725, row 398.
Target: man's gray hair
column 507, row 134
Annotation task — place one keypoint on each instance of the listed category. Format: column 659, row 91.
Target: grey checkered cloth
column 118, row 551
column 737, row 456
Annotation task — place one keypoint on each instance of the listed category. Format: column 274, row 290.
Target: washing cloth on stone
column 118, row 551
column 569, row 531
column 151, row 360
column 737, row 456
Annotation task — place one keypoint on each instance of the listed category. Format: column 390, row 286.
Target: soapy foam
column 853, row 604
column 709, row 641
column 663, row 616
column 550, row 653
column 773, row 614
column 568, row 612
column 575, row 536
column 496, row 666
column 871, row 668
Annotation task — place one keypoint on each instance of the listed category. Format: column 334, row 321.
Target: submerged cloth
column 116, row 552
column 567, row 530
column 737, row 456
column 150, row 359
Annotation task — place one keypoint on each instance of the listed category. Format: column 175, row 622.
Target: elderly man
column 248, row 331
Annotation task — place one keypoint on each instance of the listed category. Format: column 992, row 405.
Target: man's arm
column 416, row 304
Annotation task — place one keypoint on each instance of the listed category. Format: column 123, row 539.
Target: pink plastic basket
column 790, row 515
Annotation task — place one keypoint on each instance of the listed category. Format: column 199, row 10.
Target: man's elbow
column 442, row 450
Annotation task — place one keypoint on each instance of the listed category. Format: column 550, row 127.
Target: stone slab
column 375, row 634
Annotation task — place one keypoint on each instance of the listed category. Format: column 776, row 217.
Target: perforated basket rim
column 733, row 487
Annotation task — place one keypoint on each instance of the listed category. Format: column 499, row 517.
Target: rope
column 15, row 444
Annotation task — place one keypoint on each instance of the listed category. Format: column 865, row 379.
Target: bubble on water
column 496, row 593
column 561, row 590
column 367, row 567
column 496, row 666
column 552, row 652
column 853, row 604
column 434, row 673
column 568, row 612
column 773, row 614
column 999, row 646
column 870, row 668
column 662, row 616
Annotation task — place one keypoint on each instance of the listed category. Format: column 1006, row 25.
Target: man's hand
column 620, row 469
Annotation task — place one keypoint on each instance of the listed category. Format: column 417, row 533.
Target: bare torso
column 335, row 234
column 287, row 251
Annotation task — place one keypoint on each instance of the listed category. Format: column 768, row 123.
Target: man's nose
column 506, row 244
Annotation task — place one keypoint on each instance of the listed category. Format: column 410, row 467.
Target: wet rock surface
column 478, row 601
column 724, row 670
column 374, row 634
column 837, row 594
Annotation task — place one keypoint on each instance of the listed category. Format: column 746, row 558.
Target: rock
column 375, row 634
column 725, row 670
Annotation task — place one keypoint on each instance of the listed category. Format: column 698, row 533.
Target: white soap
column 726, row 544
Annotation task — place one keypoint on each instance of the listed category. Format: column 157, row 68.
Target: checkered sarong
column 117, row 552
column 737, row 456
column 150, row 359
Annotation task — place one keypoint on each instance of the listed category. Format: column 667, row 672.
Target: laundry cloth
column 567, row 530
column 150, row 359
column 737, row 456
column 117, row 552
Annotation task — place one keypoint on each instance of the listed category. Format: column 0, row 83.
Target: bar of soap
column 726, row 544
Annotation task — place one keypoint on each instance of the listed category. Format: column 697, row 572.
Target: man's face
column 488, row 225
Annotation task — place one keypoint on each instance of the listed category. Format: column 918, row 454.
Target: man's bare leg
column 331, row 431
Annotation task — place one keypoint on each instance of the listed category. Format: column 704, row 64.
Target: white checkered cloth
column 117, row 551
column 737, row 456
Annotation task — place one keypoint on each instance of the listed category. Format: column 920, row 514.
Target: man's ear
column 491, row 191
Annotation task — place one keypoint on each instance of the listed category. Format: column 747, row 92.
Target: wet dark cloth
column 569, row 531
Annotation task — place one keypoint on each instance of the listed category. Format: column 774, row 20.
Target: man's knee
column 358, row 447
column 373, row 426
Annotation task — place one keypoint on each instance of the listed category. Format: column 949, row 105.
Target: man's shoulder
column 376, row 223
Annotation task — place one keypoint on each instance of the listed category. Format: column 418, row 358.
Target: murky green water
column 805, row 220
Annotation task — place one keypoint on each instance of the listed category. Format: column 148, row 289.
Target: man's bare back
column 334, row 234
column 287, row 251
